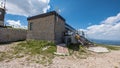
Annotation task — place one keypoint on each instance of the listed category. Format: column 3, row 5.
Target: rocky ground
column 102, row 60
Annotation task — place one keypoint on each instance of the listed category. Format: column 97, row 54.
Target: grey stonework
column 10, row 35
column 49, row 26
column 1, row 23
column 2, row 15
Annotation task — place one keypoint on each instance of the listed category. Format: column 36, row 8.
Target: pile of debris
column 62, row 50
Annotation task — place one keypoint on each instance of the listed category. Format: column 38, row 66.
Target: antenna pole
column 5, row 4
column 1, row 3
column 57, row 10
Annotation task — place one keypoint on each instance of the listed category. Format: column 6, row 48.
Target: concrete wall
column 10, row 35
column 42, row 28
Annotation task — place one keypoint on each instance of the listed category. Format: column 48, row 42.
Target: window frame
column 31, row 24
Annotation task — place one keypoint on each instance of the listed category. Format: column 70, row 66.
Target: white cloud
column 109, row 29
column 27, row 7
column 16, row 24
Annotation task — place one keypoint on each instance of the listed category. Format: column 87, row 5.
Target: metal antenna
column 5, row 4
column 57, row 10
column 1, row 4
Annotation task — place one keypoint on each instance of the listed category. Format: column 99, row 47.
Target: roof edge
column 70, row 27
column 44, row 15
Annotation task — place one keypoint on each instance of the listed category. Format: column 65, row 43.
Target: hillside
column 36, row 56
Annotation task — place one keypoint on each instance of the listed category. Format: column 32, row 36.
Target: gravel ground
column 104, row 60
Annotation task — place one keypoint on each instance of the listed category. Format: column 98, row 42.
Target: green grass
column 5, row 56
column 32, row 48
column 78, row 51
column 110, row 47
column 2, row 56
column 81, row 51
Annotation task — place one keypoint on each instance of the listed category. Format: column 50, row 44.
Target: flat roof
column 51, row 13
column 44, row 15
column 69, row 27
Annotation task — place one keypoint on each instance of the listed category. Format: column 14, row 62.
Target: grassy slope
column 33, row 49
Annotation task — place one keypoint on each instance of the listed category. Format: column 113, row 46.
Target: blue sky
column 82, row 13
column 87, row 15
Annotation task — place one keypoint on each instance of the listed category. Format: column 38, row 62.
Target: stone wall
column 2, row 15
column 59, row 29
column 41, row 28
column 49, row 26
column 10, row 35
column 1, row 23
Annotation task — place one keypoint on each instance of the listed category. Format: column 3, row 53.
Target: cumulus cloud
column 27, row 7
column 108, row 29
column 16, row 24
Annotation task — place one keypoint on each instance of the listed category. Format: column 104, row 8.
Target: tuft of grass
column 2, row 56
column 110, row 47
column 72, row 48
column 34, row 48
column 113, row 47
column 78, row 51
column 5, row 56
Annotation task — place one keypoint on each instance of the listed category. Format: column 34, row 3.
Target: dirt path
column 105, row 60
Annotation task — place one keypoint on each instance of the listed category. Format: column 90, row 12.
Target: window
column 31, row 25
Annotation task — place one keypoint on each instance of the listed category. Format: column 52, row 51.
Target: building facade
column 49, row 26
column 2, row 14
column 9, row 34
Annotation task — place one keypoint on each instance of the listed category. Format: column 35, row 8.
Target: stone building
column 2, row 14
column 9, row 34
column 48, row 26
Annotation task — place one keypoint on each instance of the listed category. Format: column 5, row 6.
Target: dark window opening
column 30, row 26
